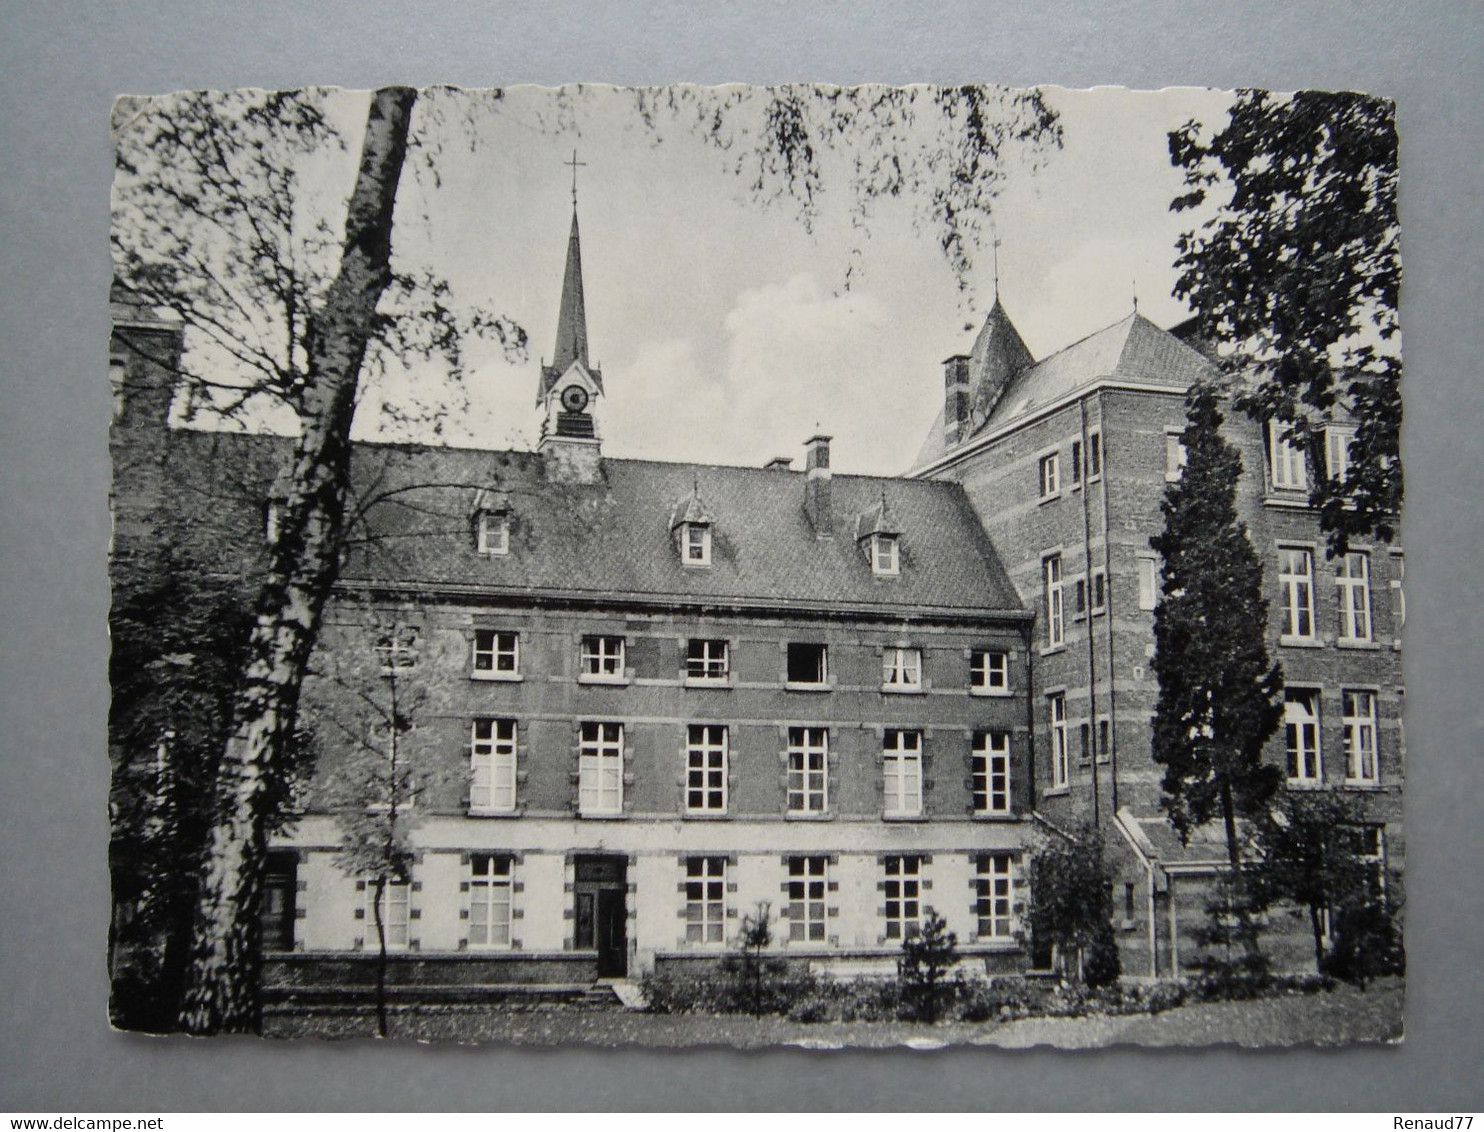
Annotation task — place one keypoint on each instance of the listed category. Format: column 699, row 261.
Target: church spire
column 571, row 335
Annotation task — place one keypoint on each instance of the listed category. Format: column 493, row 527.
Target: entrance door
column 276, row 913
column 602, row 912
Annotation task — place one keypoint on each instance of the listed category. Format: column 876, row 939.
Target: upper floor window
column 1353, row 577
column 1337, row 441
column 696, row 544
column 1301, row 736
column 808, row 664
column 1361, row 763
column 492, row 765
column 492, row 533
column 989, row 670
column 901, row 670
column 1050, row 475
column 808, row 770
column 1148, row 582
column 885, row 556
column 1175, row 455
column 1076, row 465
column 1099, row 589
column 600, row 769
column 496, row 654
column 707, row 660
column 902, row 773
column 396, row 649
column 489, row 900
column 1056, row 706
column 602, row 658
column 1094, row 454
column 706, row 768
column 1055, row 614
column 1286, row 461
column 990, row 776
column 1296, row 580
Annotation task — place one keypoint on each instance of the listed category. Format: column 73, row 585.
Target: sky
column 723, row 327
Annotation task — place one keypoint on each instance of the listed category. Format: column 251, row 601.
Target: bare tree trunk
column 380, row 959
column 222, row 983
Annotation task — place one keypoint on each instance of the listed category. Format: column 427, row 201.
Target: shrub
column 1102, row 965
column 927, row 956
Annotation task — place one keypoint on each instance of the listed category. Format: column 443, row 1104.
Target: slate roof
column 1132, row 349
column 614, row 539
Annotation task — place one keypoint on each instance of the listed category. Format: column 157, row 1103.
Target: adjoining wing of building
column 1066, row 461
column 652, row 697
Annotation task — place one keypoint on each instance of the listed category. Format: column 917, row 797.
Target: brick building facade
column 1066, row 460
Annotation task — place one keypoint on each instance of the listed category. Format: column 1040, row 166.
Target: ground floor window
column 808, row 881
column 394, row 914
column 903, row 887
column 995, row 890
column 705, row 899
column 489, row 901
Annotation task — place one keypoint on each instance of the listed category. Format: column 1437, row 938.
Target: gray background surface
column 60, row 66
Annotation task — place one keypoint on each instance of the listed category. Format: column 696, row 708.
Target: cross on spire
column 995, row 256
column 575, row 164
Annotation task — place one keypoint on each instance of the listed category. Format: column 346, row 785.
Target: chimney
column 779, row 464
column 817, row 485
column 955, row 398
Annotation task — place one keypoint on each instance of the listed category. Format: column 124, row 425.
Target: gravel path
column 1341, row 1016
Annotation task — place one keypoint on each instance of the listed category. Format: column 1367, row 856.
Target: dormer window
column 884, row 557
column 492, row 533
column 695, row 543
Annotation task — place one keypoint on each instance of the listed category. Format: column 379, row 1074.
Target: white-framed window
column 490, row 888
column 1176, row 457
column 901, row 669
column 1301, row 736
column 1099, row 588
column 1050, row 475
column 695, row 544
column 492, row 533
column 808, row 770
column 1052, row 592
column 1148, row 582
column 492, row 762
column 989, row 670
column 707, row 660
column 600, row 769
column 1361, row 763
column 602, row 658
column 1337, row 441
column 990, row 776
column 395, row 914
column 1056, row 708
column 396, row 648
column 994, row 888
column 705, row 899
column 1353, row 577
column 1368, row 844
column 1094, row 454
column 901, row 753
column 1286, row 461
column 807, row 664
column 886, row 558
column 1296, row 580
column 808, row 882
column 903, row 889
column 706, row 757
column 496, row 654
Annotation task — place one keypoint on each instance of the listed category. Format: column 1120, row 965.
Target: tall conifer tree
column 1218, row 694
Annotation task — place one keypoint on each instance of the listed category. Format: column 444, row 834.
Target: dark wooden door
column 276, row 912
column 602, row 912
column 613, row 936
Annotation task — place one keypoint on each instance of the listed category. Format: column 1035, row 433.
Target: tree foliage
column 1296, row 278
column 928, row 955
column 1218, row 695
column 1071, row 904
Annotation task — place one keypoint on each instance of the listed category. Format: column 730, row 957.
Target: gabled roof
column 877, row 521
column 1132, row 349
column 612, row 541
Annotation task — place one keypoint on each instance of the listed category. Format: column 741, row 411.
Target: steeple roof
column 999, row 354
column 571, row 332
